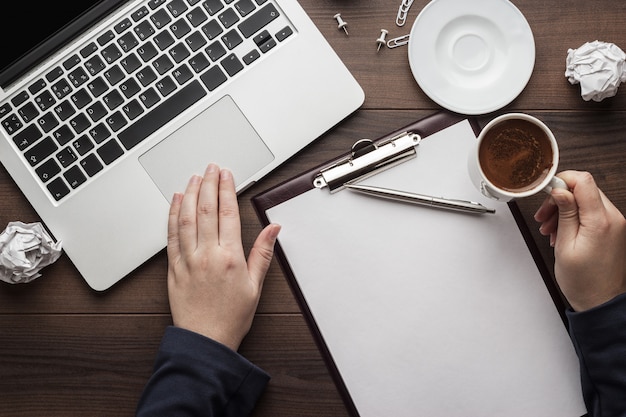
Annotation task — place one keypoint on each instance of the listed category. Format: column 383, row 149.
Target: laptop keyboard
column 126, row 83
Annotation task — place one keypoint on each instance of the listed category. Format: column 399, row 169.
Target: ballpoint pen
column 420, row 199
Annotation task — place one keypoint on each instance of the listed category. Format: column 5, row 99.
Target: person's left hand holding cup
column 212, row 289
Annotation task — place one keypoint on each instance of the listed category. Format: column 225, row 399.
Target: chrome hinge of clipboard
column 367, row 158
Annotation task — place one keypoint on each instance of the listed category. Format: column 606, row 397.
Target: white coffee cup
column 515, row 150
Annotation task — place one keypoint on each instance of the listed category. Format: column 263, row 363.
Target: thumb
column 261, row 253
column 569, row 221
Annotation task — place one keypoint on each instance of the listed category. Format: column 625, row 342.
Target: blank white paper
column 428, row 312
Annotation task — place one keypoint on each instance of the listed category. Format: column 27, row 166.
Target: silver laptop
column 115, row 104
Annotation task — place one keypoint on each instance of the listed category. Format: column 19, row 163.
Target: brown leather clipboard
column 304, row 183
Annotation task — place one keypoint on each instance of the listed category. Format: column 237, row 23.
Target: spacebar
column 162, row 114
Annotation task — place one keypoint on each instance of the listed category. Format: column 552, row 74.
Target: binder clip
column 368, row 158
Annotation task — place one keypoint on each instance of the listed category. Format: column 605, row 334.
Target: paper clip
column 403, row 11
column 399, row 41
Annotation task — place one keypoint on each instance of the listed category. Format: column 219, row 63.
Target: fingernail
column 225, row 174
column 275, row 231
column 211, row 168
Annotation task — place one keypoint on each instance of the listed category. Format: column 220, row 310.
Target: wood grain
column 68, row 351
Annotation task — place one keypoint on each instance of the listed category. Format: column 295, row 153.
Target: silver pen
column 424, row 200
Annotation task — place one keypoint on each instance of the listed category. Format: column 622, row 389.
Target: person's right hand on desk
column 589, row 237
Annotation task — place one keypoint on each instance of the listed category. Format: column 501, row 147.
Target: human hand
column 212, row 289
column 589, row 237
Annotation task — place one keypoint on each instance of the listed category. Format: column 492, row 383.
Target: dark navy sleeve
column 196, row 376
column 599, row 337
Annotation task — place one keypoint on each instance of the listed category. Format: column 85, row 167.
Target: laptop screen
column 41, row 28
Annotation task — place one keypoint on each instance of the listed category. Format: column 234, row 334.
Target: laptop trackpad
column 220, row 134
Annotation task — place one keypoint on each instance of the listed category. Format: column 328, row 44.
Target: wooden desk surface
column 68, row 351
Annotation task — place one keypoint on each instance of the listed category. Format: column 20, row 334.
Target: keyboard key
column 213, row 6
column 149, row 98
column 99, row 133
column 83, row 145
column 91, row 165
column 19, row 98
column 231, row 39
column 116, row 121
column 78, row 77
column 40, row 151
column 105, row 38
column 144, row 30
column 94, row 65
column 132, row 109
column 147, row 51
column 44, row 101
column 199, row 62
column 114, row 75
column 111, row 53
column 215, row 51
column 12, row 124
column 245, row 7
column 140, row 14
column 251, row 56
column 28, row 112
column 160, row 19
column 155, row 3
column 196, row 17
column 213, row 78
column 27, row 137
column 113, row 100
column 179, row 53
column 129, row 88
column 146, row 76
column 54, row 74
column 284, row 33
column 80, row 123
column 64, row 110
column 258, row 20
column 212, row 29
column 47, row 122
column 63, row 135
column 177, row 7
column 162, row 64
column 58, row 189
column 88, row 50
column 228, row 18
column 48, row 170
column 37, row 86
column 166, row 86
column 164, row 40
column 5, row 109
column 96, row 111
column 182, row 74
column 61, row 88
column 232, row 65
column 180, row 28
column 127, row 41
column 269, row 44
column 97, row 87
column 110, row 151
column 66, row 157
column 124, row 24
column 74, row 176
column 160, row 115
column 130, row 63
column 195, row 41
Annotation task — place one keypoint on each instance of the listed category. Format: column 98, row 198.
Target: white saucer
column 471, row 57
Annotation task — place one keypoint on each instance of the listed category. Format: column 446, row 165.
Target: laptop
column 109, row 107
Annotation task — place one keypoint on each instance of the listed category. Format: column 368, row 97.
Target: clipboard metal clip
column 368, row 158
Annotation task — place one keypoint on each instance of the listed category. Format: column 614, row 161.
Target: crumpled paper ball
column 599, row 68
column 24, row 250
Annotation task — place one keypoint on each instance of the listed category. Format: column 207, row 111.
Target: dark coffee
column 515, row 155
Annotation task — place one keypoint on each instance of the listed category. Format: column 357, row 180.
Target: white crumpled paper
column 598, row 67
column 24, row 250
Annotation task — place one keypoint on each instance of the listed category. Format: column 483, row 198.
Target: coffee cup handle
column 555, row 182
